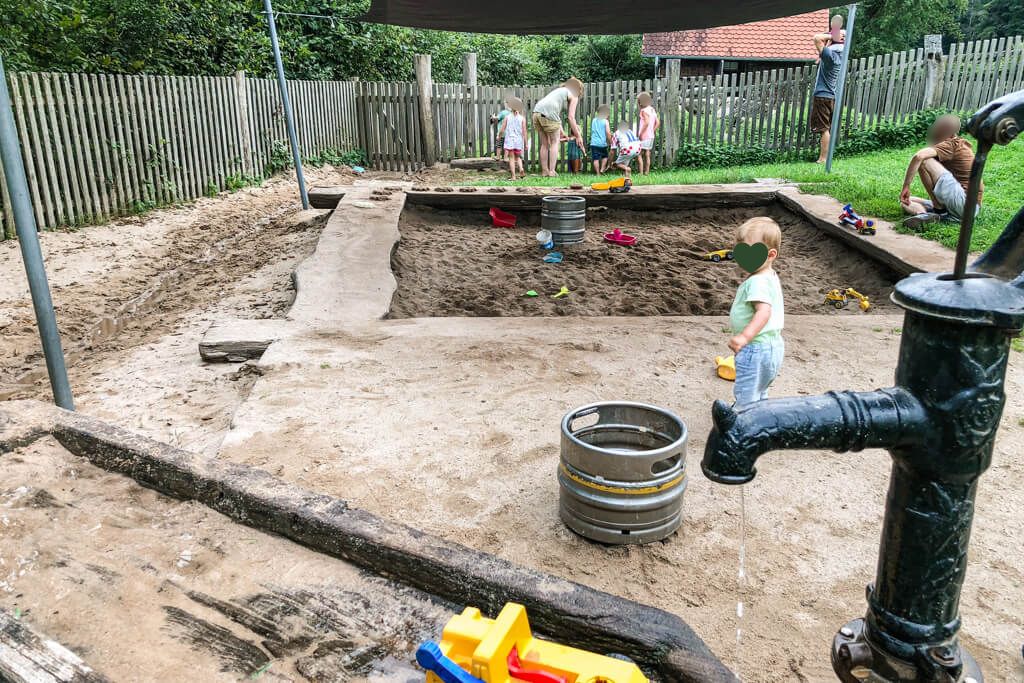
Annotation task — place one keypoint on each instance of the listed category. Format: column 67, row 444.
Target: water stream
column 741, row 580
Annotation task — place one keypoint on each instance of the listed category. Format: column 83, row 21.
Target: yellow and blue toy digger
column 474, row 649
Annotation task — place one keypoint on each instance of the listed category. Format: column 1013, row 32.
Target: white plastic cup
column 545, row 239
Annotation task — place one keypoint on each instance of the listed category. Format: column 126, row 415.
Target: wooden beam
column 327, row 197
column 477, row 164
column 640, row 198
column 425, row 84
column 27, row 656
column 236, row 341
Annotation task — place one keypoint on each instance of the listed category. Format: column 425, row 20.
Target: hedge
column 885, row 135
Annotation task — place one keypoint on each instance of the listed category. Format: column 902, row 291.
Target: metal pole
column 289, row 117
column 31, row 254
column 851, row 15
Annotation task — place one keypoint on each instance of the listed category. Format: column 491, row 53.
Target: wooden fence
column 768, row 108
column 98, row 146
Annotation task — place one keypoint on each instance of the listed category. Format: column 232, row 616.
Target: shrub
column 885, row 135
column 281, row 158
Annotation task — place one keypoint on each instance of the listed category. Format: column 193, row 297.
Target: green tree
column 896, row 25
column 199, row 37
column 993, row 19
column 610, row 58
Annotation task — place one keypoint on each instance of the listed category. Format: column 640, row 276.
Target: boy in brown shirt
column 945, row 168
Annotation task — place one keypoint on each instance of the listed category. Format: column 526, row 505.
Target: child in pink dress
column 513, row 134
column 649, row 125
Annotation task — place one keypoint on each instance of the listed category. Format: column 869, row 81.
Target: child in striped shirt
column 628, row 146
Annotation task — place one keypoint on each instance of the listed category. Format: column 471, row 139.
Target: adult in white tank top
column 547, row 120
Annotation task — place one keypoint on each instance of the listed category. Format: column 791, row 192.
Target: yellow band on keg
column 619, row 489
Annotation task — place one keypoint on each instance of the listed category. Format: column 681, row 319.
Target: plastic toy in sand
column 531, row 293
column 608, row 184
column 545, row 239
column 502, row 219
column 850, row 217
column 475, row 649
column 718, row 256
column 553, row 257
column 840, row 298
column 726, row 366
column 564, row 291
column 616, row 236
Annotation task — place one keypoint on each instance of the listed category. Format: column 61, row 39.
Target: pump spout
column 838, row 420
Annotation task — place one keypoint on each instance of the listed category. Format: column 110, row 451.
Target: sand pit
column 452, row 263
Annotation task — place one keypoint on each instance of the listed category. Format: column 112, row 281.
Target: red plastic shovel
column 502, row 219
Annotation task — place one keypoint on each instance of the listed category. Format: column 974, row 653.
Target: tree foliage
column 199, row 37
column 896, row 25
column 993, row 19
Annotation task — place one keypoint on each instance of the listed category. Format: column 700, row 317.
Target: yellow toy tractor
column 840, row 298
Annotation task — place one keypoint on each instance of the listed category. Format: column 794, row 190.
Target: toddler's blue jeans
column 757, row 364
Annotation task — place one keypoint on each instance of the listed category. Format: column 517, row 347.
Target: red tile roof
column 783, row 38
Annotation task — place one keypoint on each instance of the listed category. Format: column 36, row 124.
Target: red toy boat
column 502, row 219
column 616, row 236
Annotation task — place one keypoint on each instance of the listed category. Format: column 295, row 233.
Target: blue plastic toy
column 553, row 257
column 850, row 217
column 430, row 657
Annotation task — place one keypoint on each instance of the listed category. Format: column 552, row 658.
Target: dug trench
column 453, row 263
column 133, row 298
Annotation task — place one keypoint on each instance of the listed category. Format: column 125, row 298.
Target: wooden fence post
column 469, row 68
column 469, row 103
column 6, row 213
column 244, row 132
column 935, row 70
column 426, row 86
column 673, row 109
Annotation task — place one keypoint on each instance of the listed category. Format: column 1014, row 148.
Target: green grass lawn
column 871, row 183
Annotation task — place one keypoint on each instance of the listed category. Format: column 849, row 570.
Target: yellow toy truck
column 840, row 298
column 474, row 649
column 720, row 255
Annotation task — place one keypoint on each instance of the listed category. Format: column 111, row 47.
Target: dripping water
column 741, row 579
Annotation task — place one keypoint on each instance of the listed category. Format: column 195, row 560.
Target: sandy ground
column 452, row 263
column 451, row 425
column 134, row 297
column 146, row 588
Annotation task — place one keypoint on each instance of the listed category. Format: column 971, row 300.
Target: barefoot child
column 573, row 156
column 513, row 131
column 600, row 136
column 649, row 125
column 628, row 146
column 757, row 316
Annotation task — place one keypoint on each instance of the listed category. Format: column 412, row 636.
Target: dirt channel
column 453, row 263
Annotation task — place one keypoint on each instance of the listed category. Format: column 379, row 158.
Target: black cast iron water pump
column 938, row 423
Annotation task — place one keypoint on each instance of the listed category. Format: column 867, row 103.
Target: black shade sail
column 582, row 16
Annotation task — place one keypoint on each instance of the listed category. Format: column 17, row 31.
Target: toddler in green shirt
column 757, row 317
